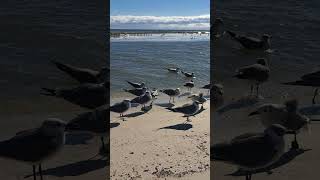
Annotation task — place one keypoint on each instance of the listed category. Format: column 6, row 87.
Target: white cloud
column 162, row 22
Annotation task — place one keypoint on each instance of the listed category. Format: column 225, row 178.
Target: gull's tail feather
column 49, row 92
column 232, row 34
column 171, row 109
column 130, row 83
column 63, row 67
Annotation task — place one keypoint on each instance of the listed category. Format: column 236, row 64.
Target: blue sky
column 160, row 14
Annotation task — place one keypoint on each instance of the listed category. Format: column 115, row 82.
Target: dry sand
column 142, row 148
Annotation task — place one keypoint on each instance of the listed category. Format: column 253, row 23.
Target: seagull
column 255, row 73
column 172, row 93
column 187, row 74
column 174, row 70
column 143, row 99
column 309, row 79
column 35, row 146
column 137, row 91
column 147, row 108
column 189, row 85
column 83, row 75
column 252, row 151
column 207, row 86
column 121, row 107
column 252, row 42
column 217, row 96
column 218, row 27
column 96, row 122
column 87, row 95
column 137, row 85
column 187, row 109
column 198, row 98
column 286, row 115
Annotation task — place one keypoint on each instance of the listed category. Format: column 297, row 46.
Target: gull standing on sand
column 216, row 97
column 252, row 42
column 256, row 73
column 96, row 122
column 187, row 109
column 143, row 99
column 174, row 70
column 36, row 145
column 309, row 79
column 199, row 98
column 87, row 95
column 189, row 85
column 207, row 86
column 252, row 151
column 137, row 91
column 187, row 74
column 172, row 93
column 83, row 75
column 137, row 85
column 286, row 115
column 218, row 28
column 121, row 107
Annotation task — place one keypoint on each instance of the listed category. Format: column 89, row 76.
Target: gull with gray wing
column 256, row 74
column 88, row 95
column 252, row 151
column 37, row 145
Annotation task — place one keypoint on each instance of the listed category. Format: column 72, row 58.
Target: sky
column 160, row 14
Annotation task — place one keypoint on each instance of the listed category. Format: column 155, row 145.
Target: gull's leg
column 40, row 172
column 34, row 172
column 170, row 100
column 173, row 99
column 102, row 141
column 294, row 143
column 314, row 96
column 251, row 89
column 257, row 90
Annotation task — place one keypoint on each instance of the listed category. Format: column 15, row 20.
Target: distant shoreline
column 149, row 31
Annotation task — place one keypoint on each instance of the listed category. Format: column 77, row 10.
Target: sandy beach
column 160, row 145
column 75, row 161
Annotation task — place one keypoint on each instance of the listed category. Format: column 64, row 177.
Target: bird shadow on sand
column 165, row 105
column 78, row 138
column 135, row 114
column 113, row 125
column 180, row 127
column 284, row 159
column 244, row 102
column 76, row 169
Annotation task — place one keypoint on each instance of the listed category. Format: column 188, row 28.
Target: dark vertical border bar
column 212, row 16
column 107, row 33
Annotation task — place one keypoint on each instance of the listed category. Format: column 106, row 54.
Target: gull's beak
column 254, row 113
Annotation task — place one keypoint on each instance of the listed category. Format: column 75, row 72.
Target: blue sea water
column 145, row 59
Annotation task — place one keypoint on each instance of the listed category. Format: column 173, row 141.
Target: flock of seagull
column 35, row 146
column 145, row 95
column 253, row 152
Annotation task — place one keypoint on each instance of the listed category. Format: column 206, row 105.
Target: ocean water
column 34, row 33
column 145, row 59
